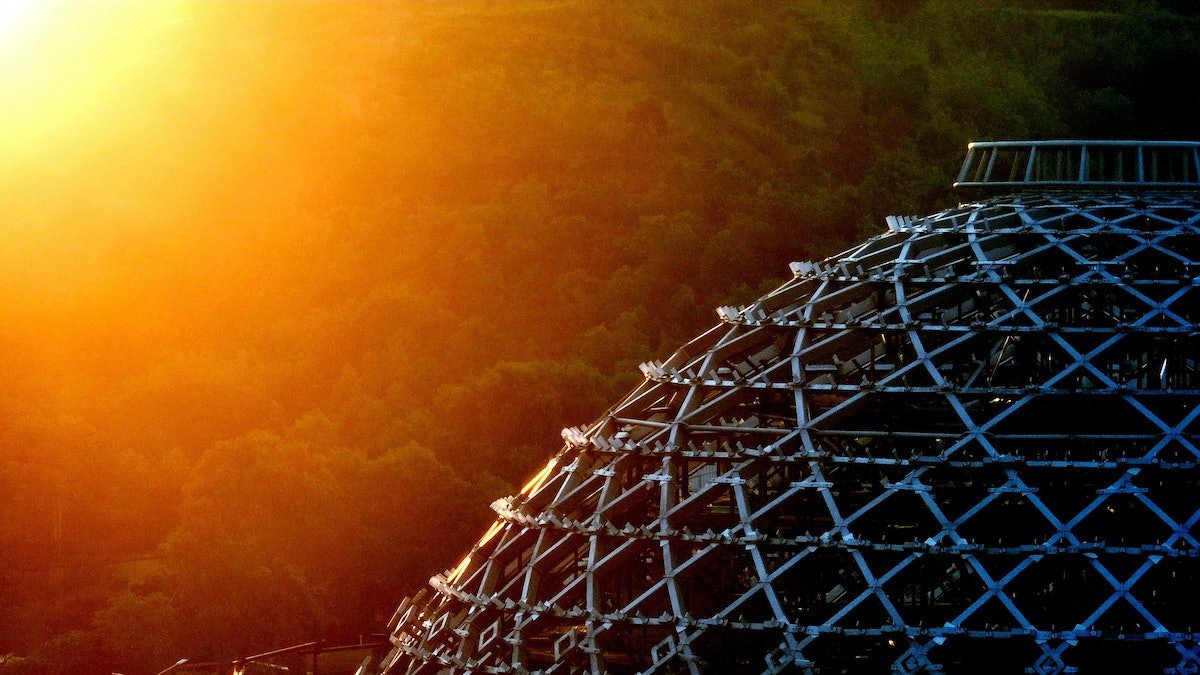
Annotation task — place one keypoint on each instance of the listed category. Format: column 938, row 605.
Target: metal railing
column 1081, row 164
column 310, row 658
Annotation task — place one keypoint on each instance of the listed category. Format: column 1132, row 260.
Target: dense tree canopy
column 292, row 291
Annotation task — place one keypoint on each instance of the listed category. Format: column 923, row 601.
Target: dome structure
column 966, row 445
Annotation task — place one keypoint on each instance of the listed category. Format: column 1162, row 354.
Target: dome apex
column 1100, row 165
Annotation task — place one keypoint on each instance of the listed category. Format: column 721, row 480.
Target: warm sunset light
column 291, row 291
column 62, row 64
column 130, row 132
column 81, row 128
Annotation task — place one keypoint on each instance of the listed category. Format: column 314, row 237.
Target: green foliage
column 440, row 234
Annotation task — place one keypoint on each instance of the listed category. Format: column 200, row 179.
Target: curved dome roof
column 967, row 444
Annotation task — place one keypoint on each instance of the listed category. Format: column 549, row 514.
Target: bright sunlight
column 10, row 12
column 61, row 62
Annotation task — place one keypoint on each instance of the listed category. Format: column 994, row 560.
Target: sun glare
column 8, row 12
column 59, row 59
column 80, row 124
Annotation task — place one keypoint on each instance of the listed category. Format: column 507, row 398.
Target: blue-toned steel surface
column 967, row 445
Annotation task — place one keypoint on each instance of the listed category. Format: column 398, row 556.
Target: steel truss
column 967, row 445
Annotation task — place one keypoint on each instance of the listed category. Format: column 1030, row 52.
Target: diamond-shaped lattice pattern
column 967, row 445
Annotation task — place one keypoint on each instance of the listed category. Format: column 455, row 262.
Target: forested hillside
column 292, row 291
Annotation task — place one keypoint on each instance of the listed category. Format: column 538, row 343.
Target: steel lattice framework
column 967, row 445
